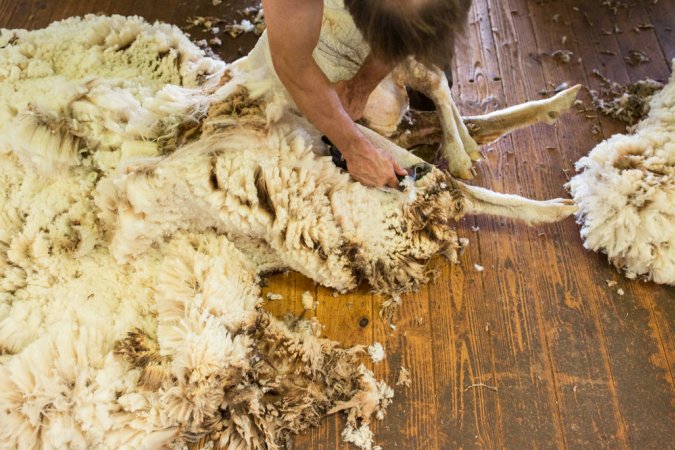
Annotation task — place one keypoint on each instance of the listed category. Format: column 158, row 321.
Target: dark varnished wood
column 536, row 351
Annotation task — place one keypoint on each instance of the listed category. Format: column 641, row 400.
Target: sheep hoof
column 566, row 201
column 561, row 102
column 562, row 207
column 471, row 148
column 475, row 155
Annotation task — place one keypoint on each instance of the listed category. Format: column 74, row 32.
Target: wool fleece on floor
column 163, row 342
column 626, row 192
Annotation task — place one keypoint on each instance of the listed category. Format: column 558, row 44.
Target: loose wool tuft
column 626, row 193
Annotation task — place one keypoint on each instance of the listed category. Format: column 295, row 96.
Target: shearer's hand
column 372, row 166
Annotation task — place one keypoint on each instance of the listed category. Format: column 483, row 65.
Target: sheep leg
column 426, row 126
column 421, row 127
column 490, row 127
column 483, row 201
column 457, row 145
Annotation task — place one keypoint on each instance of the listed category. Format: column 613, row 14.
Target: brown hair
column 395, row 29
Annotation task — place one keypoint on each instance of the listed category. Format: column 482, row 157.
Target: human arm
column 293, row 28
column 354, row 93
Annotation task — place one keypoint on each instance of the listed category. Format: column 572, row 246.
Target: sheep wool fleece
column 626, row 193
column 142, row 192
column 143, row 189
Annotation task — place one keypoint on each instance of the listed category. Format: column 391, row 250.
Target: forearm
column 370, row 74
column 314, row 94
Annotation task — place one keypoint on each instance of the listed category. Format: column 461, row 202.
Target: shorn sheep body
column 143, row 189
column 626, row 193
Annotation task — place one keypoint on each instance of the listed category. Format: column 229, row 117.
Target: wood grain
column 536, row 351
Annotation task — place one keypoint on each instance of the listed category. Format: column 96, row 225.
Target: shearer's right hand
column 372, row 166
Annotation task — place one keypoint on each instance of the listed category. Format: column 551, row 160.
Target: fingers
column 374, row 167
column 393, row 182
column 399, row 169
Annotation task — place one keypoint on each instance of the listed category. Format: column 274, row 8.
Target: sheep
column 255, row 175
column 626, row 193
column 141, row 204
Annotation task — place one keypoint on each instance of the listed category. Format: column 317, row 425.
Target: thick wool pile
column 130, row 249
column 626, row 193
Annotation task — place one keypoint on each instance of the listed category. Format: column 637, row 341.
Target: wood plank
column 27, row 14
column 8, row 15
column 662, row 16
column 583, row 422
column 290, row 286
column 599, row 52
column 576, row 325
column 530, row 366
column 347, row 318
column 410, row 421
column 467, row 416
column 616, row 70
column 644, row 41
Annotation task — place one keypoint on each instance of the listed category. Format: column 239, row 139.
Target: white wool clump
column 362, row 437
column 408, row 186
column 403, row 377
column 373, row 401
column 308, row 301
column 626, row 193
column 376, row 352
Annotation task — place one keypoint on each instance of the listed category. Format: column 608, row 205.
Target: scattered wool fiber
column 362, row 437
column 630, row 104
column 376, row 352
column 308, row 301
column 403, row 377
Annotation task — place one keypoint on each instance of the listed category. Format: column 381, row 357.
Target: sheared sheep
column 139, row 206
column 255, row 175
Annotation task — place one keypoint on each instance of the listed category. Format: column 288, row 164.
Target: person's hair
column 425, row 29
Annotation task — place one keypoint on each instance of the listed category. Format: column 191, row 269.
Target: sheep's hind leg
column 483, row 201
column 457, row 145
column 490, row 127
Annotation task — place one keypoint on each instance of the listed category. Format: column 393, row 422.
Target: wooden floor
column 536, row 351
